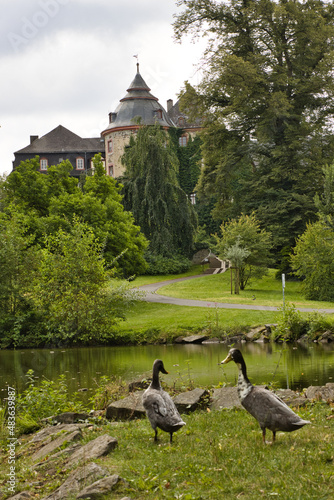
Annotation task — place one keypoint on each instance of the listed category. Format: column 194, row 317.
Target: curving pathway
column 152, row 296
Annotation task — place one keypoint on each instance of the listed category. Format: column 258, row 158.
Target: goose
column 268, row 409
column 159, row 406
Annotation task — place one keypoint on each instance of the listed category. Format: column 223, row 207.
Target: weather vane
column 136, row 56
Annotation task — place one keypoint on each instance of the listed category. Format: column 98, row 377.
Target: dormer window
column 181, row 121
column 79, row 163
column 158, row 114
column 43, row 164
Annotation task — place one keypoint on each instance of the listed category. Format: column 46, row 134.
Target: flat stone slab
column 189, row 401
column 49, row 431
column 191, row 339
column 101, row 487
column 96, row 448
column 23, row 495
column 53, row 445
column 225, row 397
column 77, row 481
column 127, row 408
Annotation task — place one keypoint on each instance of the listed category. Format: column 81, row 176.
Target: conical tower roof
column 138, row 107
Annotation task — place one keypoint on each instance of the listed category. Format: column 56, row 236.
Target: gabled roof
column 62, row 140
column 138, row 106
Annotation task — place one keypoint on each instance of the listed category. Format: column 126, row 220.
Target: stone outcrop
column 189, row 401
column 77, row 481
column 96, row 448
column 50, row 447
column 101, row 487
column 321, row 393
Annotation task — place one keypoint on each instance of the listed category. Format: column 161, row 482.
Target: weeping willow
column 152, row 193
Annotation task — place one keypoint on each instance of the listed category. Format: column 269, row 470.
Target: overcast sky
column 69, row 62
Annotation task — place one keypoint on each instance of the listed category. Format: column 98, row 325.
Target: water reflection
column 295, row 367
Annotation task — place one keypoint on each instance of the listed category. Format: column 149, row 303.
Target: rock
column 213, row 340
column 194, row 339
column 51, row 446
column 127, row 408
column 70, row 417
column 191, row 400
column 291, row 398
column 47, row 432
column 256, row 333
column 77, row 480
column 321, row 393
column 139, row 385
column 96, row 448
column 23, row 495
column 326, row 337
column 225, row 397
column 101, row 487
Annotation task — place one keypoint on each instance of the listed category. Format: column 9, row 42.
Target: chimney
column 169, row 105
column 33, row 138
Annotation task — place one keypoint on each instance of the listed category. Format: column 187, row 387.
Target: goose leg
column 274, row 436
column 264, row 435
column 156, row 435
column 171, row 438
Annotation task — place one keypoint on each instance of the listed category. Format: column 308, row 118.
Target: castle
column 138, row 107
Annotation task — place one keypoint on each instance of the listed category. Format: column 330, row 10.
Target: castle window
column 110, row 146
column 43, row 164
column 183, row 140
column 80, row 163
column 193, row 198
column 111, row 170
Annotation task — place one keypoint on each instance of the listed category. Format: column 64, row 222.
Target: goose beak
column 226, row 360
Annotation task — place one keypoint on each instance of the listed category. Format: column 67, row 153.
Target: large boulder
column 127, row 408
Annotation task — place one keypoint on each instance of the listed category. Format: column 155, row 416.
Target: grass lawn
column 154, row 317
column 217, row 455
column 266, row 291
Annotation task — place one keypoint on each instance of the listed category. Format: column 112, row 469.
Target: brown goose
column 160, row 408
column 268, row 409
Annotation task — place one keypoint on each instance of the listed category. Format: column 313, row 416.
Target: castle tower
column 138, row 107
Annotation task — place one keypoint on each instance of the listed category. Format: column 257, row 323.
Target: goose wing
column 270, row 411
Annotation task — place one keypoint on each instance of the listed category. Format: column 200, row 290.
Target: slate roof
column 138, row 102
column 175, row 114
column 62, row 140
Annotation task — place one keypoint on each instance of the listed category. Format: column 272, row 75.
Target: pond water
column 285, row 366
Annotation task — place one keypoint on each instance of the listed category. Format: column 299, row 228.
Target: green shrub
column 291, row 326
column 164, row 265
column 48, row 399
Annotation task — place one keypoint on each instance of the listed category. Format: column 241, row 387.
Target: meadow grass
column 219, row 454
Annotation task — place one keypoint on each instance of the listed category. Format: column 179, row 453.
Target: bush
column 163, row 265
column 46, row 400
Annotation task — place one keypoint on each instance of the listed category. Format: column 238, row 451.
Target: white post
column 283, row 288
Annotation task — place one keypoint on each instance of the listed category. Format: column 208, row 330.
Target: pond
column 286, row 366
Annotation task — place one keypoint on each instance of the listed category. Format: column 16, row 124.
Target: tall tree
column 152, row 193
column 268, row 90
column 49, row 202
